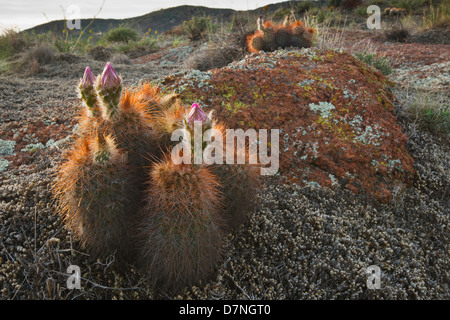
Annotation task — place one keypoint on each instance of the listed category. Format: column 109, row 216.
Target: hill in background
column 162, row 20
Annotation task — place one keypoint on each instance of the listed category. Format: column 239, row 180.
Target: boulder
column 335, row 115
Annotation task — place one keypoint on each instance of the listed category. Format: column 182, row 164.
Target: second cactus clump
column 120, row 191
column 269, row 37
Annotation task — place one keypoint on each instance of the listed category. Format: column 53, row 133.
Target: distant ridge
column 160, row 20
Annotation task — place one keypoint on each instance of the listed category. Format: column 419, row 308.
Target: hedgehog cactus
column 268, row 37
column 282, row 33
column 268, row 33
column 119, row 191
column 97, row 196
column 238, row 184
column 181, row 227
column 255, row 42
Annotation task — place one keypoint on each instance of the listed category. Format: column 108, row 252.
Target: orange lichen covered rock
column 335, row 115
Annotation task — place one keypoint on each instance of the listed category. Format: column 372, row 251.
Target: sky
column 24, row 14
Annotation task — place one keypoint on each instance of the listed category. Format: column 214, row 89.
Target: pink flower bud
column 109, row 78
column 88, row 78
column 196, row 114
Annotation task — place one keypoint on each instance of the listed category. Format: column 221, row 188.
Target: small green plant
column 145, row 44
column 198, row 27
column 313, row 11
column 381, row 63
column 71, row 40
column 64, row 43
column 122, row 34
column 178, row 41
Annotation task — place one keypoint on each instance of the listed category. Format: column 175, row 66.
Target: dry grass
column 396, row 31
column 100, row 53
column 225, row 46
column 210, row 57
column 177, row 30
column 330, row 38
column 438, row 17
column 11, row 42
column 364, row 45
column 121, row 59
column 32, row 60
column 427, row 110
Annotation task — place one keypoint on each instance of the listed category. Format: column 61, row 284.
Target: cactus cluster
column 120, row 192
column 395, row 11
column 269, row 36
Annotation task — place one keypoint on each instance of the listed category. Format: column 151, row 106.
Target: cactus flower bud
column 110, row 79
column 196, row 114
column 109, row 88
column 197, row 124
column 88, row 93
column 88, row 78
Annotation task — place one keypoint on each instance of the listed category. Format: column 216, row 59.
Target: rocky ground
column 300, row 243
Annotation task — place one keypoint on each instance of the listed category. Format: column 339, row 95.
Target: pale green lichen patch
column 312, row 184
column 55, row 144
column 387, row 162
column 306, row 82
column 370, row 135
column 7, row 147
column 33, row 147
column 323, row 107
column 193, row 78
column 347, row 95
column 3, row 164
column 333, row 179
